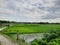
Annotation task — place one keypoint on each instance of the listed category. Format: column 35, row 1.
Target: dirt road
column 4, row 40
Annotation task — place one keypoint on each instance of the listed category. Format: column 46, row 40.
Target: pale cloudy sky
column 30, row 10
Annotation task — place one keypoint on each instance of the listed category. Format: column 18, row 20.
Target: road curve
column 4, row 40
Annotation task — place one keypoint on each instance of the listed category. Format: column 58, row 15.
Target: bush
column 53, row 38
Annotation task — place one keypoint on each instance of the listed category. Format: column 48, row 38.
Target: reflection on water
column 30, row 37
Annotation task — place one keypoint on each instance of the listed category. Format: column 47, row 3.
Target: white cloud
column 4, row 10
column 30, row 10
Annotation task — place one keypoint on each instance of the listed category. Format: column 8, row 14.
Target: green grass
column 32, row 28
column 1, row 26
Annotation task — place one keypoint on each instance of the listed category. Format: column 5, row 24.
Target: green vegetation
column 0, row 43
column 31, row 28
column 20, row 41
column 53, row 38
column 49, row 39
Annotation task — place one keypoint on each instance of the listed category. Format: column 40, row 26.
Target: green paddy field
column 31, row 28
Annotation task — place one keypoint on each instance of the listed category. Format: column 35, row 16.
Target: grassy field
column 32, row 28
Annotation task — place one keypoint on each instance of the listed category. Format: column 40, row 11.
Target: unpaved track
column 4, row 40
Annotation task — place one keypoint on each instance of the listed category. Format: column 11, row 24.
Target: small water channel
column 30, row 37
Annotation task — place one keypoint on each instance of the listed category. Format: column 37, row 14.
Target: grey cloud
column 57, row 2
column 50, row 16
column 32, row 7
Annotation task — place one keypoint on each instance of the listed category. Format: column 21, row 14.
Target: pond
column 30, row 37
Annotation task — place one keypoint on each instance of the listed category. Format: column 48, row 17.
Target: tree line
column 1, row 21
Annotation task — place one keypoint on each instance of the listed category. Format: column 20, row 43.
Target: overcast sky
column 30, row 10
